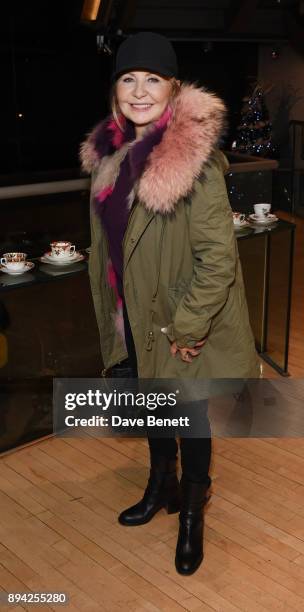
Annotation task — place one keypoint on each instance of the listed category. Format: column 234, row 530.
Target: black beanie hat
column 146, row 51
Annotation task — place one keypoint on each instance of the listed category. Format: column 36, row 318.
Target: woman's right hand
column 187, row 353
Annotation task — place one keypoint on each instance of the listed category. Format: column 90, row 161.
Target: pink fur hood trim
column 193, row 132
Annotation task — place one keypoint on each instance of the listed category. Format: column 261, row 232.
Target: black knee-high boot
column 189, row 550
column 162, row 491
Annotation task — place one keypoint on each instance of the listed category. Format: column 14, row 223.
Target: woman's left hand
column 187, row 353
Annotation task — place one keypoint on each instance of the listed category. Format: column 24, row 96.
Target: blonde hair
column 116, row 112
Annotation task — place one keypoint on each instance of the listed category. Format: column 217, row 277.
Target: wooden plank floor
column 59, row 531
column 60, row 498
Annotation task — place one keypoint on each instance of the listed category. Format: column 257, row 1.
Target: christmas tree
column 254, row 134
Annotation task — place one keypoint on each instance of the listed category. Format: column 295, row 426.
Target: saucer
column 28, row 266
column 263, row 221
column 67, row 261
column 70, row 257
column 239, row 226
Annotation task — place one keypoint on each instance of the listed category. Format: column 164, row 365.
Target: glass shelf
column 52, row 332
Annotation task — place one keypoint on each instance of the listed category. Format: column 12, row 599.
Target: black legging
column 195, row 452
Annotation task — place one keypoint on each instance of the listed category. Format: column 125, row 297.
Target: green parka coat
column 182, row 274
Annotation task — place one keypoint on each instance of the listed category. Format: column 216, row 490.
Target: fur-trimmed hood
column 193, row 131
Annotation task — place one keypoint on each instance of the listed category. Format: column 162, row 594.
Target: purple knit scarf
column 111, row 137
column 111, row 203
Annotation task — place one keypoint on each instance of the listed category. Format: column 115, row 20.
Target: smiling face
column 142, row 97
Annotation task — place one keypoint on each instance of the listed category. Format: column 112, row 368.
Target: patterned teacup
column 14, row 261
column 62, row 249
column 262, row 210
column 238, row 218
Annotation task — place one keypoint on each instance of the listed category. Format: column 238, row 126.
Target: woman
column 164, row 256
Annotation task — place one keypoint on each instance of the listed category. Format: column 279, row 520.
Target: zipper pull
column 149, row 340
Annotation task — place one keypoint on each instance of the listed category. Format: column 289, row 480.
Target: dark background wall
column 55, row 85
column 284, row 80
column 51, row 79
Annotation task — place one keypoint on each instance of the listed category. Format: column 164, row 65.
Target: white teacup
column 238, row 218
column 14, row 261
column 62, row 249
column 262, row 210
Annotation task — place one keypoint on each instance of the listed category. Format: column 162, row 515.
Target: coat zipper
column 149, row 336
column 159, row 259
column 150, row 333
column 129, row 219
